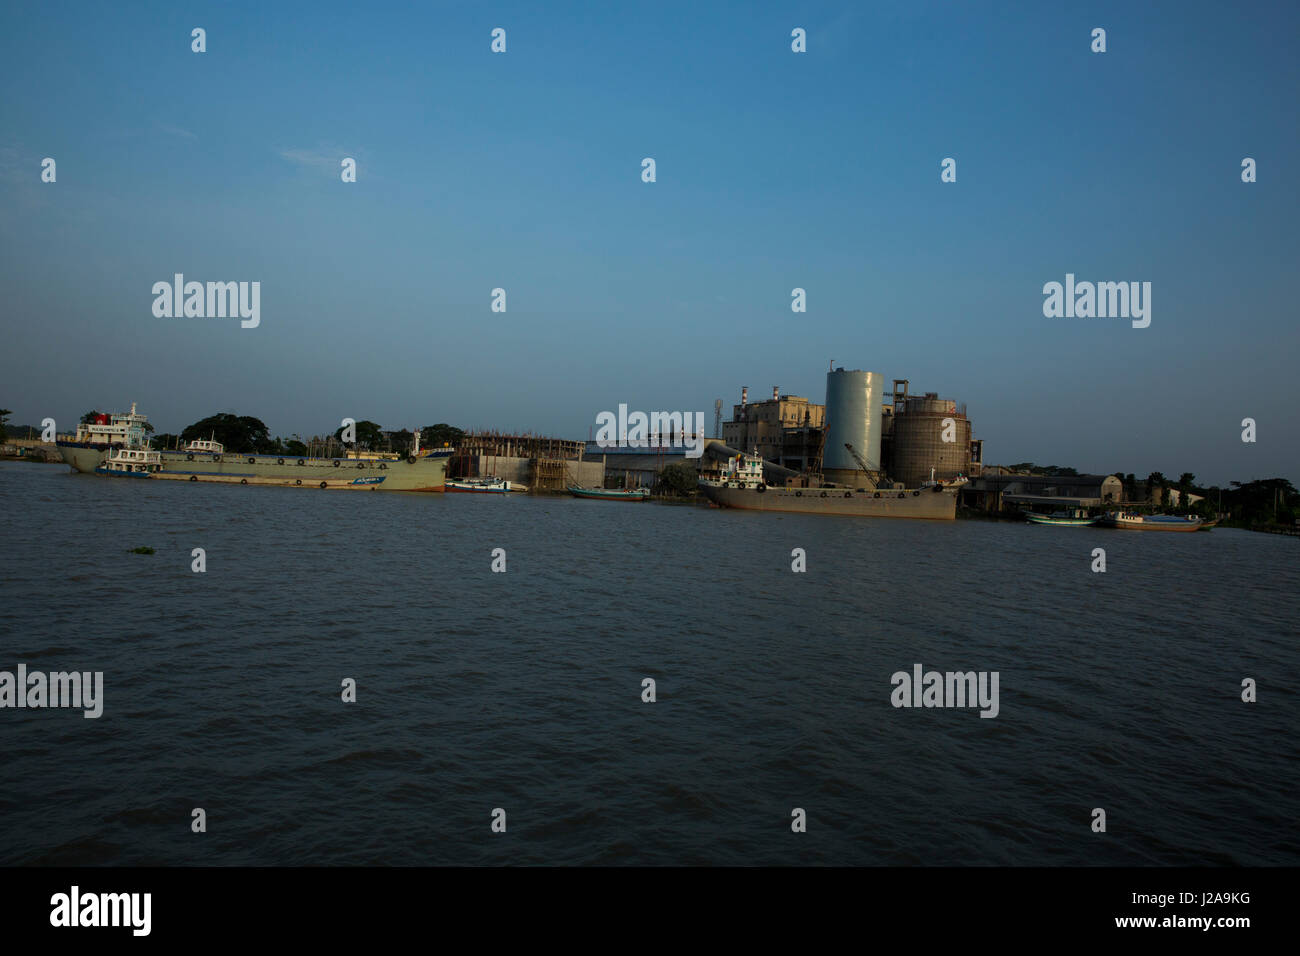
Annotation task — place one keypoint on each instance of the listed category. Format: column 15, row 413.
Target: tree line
column 248, row 434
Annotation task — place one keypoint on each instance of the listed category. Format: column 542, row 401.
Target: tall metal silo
column 918, row 445
column 853, row 416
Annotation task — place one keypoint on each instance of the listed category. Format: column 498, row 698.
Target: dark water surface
column 523, row 690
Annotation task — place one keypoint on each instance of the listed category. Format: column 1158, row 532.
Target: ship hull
column 608, row 494
column 426, row 473
column 1156, row 526
column 935, row 505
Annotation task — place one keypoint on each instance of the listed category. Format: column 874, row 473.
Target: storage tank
column 853, row 400
column 918, row 444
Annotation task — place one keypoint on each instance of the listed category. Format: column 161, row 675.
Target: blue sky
column 775, row 170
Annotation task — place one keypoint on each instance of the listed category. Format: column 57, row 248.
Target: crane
column 870, row 475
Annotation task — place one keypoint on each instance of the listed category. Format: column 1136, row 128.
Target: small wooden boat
column 1077, row 518
column 611, row 494
column 480, row 486
column 1130, row 521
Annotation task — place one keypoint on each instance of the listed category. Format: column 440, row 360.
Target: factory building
column 623, row 467
column 1001, row 491
column 785, row 429
column 863, row 425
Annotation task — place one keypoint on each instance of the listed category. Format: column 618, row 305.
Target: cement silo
column 853, row 417
column 918, row 443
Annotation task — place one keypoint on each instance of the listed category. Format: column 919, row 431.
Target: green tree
column 89, row 417
column 369, row 435
column 1156, row 483
column 4, row 420
column 238, row 433
column 678, row 478
column 1185, row 490
column 434, row 436
column 1261, row 501
column 295, row 447
column 164, row 440
column 401, row 440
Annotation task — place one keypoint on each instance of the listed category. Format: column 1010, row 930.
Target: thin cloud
column 177, row 131
column 313, row 157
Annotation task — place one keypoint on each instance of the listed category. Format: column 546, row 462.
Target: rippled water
column 523, row 690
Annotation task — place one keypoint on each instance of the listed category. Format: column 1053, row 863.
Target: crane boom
column 858, row 458
column 871, row 477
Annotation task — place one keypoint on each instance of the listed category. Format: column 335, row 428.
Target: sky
column 775, row 170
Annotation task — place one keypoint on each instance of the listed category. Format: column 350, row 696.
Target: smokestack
column 776, row 392
column 744, row 395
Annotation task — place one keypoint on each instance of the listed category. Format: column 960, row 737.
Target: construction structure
column 786, row 429
column 538, row 461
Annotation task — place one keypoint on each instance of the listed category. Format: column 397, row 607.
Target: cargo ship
column 742, row 485
column 98, row 445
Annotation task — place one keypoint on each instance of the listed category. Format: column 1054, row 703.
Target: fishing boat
column 1075, row 518
column 1130, row 521
column 479, row 486
column 611, row 494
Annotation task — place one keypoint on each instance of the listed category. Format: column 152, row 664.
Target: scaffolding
column 548, row 458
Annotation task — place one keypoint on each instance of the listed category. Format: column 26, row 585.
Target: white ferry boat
column 204, row 446
column 131, row 463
